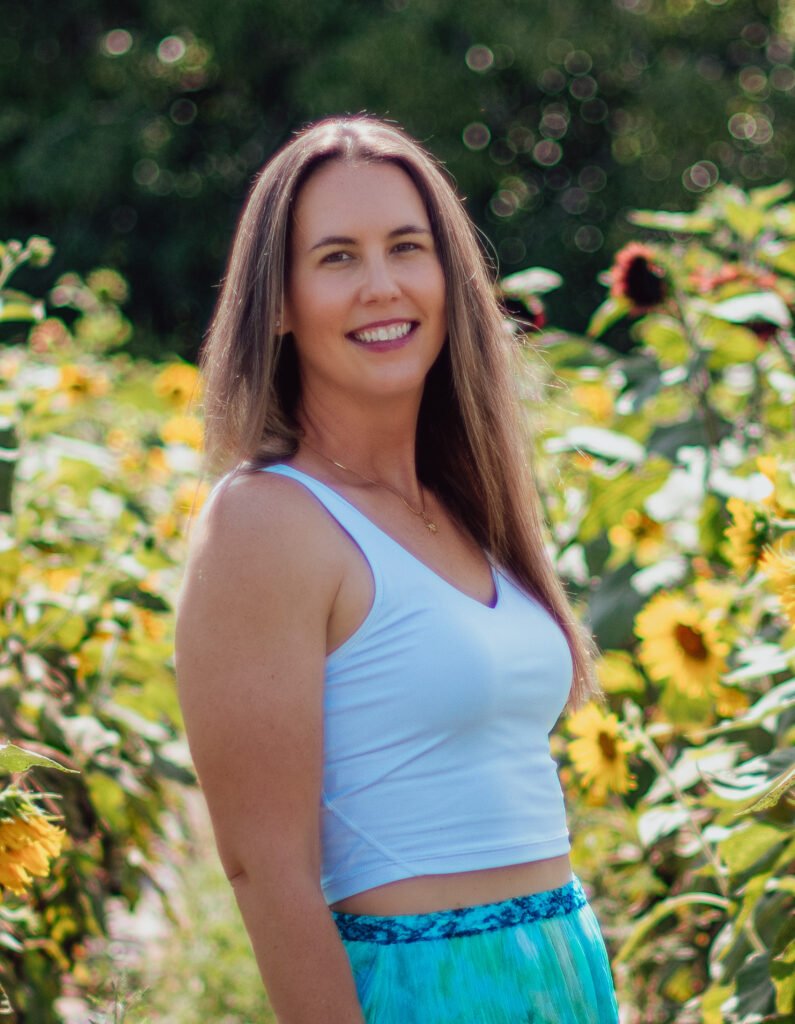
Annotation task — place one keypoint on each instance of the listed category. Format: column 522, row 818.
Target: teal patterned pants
column 537, row 959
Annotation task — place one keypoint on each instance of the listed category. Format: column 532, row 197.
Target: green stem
column 655, row 758
column 699, row 372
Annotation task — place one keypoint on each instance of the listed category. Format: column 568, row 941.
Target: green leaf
column 769, row 195
column 666, row 336
column 774, row 791
column 743, row 309
column 782, row 966
column 606, row 444
column 17, row 306
column 532, row 281
column 612, row 498
column 660, row 821
column 697, row 223
column 765, row 712
column 759, row 660
column 747, row 846
column 660, row 911
column 755, row 993
column 17, row 759
column 780, row 256
column 745, row 221
column 610, row 312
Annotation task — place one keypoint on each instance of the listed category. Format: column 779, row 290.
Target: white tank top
column 437, row 713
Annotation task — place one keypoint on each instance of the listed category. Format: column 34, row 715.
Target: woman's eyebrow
column 406, row 229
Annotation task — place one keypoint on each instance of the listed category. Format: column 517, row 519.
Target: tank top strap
column 377, row 547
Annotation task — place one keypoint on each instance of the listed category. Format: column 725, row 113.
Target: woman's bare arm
column 252, row 617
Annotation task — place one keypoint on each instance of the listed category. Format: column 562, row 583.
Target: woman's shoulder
column 265, row 518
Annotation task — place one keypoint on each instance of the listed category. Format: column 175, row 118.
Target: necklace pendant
column 431, row 526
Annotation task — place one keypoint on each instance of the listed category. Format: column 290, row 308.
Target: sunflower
column 638, row 278
column 595, row 399
column 778, row 564
column 746, row 537
column 178, row 383
column 637, row 536
column 599, row 753
column 183, row 430
column 77, row 383
column 678, row 642
column 778, row 475
column 28, row 842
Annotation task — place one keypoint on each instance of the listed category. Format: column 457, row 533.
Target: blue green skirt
column 537, row 959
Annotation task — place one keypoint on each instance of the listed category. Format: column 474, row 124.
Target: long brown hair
column 472, row 448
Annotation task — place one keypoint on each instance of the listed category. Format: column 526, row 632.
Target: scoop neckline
column 495, row 573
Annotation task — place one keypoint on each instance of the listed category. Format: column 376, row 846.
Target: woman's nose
column 378, row 281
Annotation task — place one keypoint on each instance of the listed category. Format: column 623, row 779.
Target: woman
column 372, row 645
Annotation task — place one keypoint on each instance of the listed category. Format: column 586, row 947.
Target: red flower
column 636, row 276
column 537, row 317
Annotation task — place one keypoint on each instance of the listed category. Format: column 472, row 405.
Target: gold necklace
column 431, row 525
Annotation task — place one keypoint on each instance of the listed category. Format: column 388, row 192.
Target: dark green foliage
column 142, row 163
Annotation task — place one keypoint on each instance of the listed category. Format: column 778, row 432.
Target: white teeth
column 391, row 333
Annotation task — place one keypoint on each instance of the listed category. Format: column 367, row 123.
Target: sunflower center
column 692, row 642
column 607, row 744
column 644, row 284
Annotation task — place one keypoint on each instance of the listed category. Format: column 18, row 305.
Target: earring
column 278, row 323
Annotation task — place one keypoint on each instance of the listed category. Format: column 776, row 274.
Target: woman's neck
column 376, row 442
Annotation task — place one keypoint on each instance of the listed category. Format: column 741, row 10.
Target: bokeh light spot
column 588, row 238
column 592, row 178
column 117, row 42
column 171, row 49
column 578, row 62
column 183, row 111
column 504, row 203
column 476, row 135
column 479, row 58
column 547, row 153
column 146, row 173
column 700, row 176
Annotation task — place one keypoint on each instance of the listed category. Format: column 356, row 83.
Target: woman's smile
column 384, row 337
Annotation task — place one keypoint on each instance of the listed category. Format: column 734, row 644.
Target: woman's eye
column 336, row 257
column 406, row 246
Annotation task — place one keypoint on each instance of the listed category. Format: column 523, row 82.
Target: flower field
column 667, row 473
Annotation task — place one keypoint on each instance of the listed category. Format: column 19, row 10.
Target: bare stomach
column 428, row 893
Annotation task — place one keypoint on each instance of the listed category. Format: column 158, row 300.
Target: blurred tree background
column 130, row 132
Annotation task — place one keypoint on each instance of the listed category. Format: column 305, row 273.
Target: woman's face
column 365, row 299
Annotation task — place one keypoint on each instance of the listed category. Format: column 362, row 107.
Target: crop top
column 436, row 721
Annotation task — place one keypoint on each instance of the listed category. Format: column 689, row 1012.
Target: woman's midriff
column 428, row 893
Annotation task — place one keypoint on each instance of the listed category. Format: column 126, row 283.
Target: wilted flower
column 48, row 336
column 108, row 285
column 40, row 250
column 737, row 275
column 636, row 276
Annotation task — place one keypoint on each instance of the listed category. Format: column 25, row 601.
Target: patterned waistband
column 462, row 921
